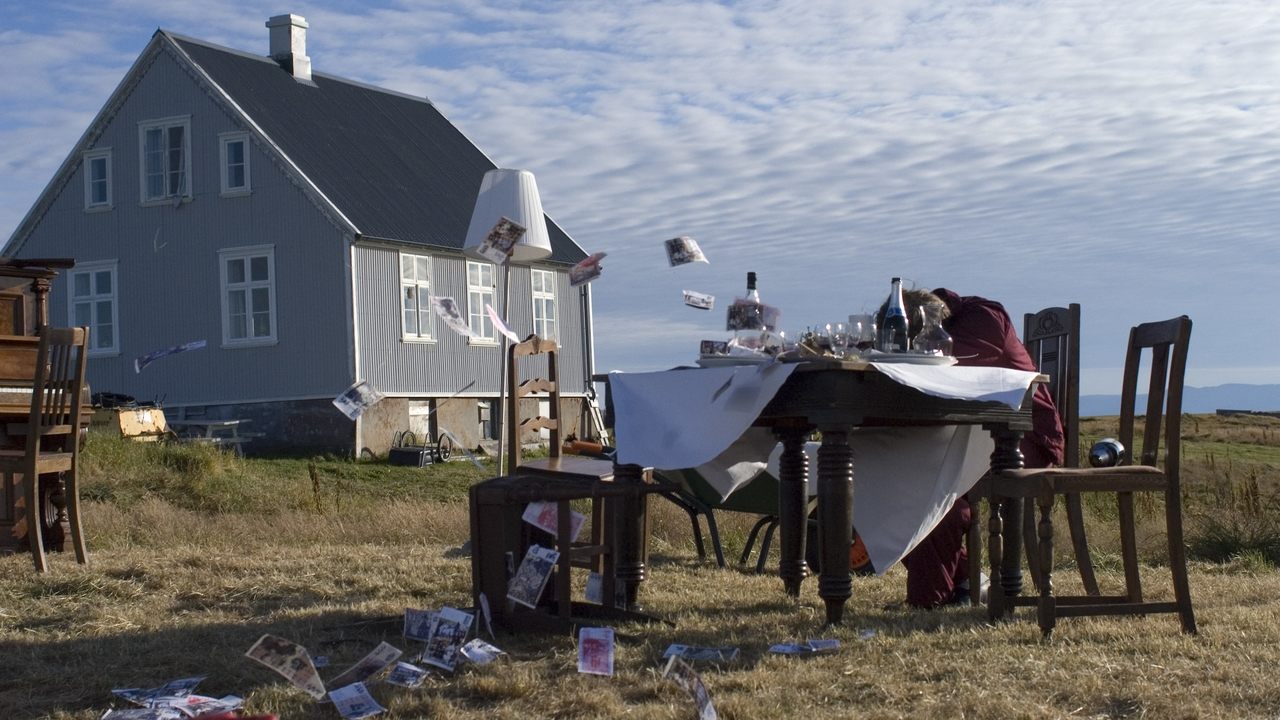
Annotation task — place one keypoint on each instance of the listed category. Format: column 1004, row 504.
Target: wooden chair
column 521, row 356
column 1167, row 343
column 52, row 433
column 1052, row 339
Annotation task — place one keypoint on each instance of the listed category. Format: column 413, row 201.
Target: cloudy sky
column 1124, row 155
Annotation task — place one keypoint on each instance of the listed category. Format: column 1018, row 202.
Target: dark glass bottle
column 894, row 336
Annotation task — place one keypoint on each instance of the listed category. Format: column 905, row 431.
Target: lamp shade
column 512, row 194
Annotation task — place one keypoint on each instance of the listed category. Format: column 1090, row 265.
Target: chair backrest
column 1052, row 338
column 519, row 357
column 54, row 421
column 1167, row 341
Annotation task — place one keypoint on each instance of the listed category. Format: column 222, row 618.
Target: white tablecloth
column 905, row 478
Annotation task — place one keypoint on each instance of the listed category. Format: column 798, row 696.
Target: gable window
column 166, row 158
column 234, row 150
column 94, row 305
column 248, row 295
column 415, row 292
column 480, row 293
column 544, row 303
column 97, row 180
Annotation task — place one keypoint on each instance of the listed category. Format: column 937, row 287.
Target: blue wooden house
column 297, row 222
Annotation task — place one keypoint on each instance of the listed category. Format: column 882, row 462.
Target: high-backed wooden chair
column 1156, row 471
column 52, row 433
column 1052, row 339
column 524, row 382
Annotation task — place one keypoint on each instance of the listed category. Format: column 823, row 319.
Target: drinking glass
column 838, row 336
column 862, row 331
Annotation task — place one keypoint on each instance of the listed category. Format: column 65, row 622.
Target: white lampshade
column 512, row 194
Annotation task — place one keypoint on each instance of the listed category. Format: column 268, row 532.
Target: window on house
column 480, row 293
column 248, row 295
column 166, row 153
column 97, row 180
column 235, row 164
column 93, row 304
column 485, row 410
column 415, row 292
column 544, row 303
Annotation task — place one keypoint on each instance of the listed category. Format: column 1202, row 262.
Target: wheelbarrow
column 405, row 449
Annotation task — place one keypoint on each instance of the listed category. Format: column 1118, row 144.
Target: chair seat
column 16, row 461
column 1030, row 482
column 570, row 465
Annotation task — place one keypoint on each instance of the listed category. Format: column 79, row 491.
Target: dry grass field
column 195, row 555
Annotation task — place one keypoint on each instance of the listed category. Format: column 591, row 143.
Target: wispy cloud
column 1122, row 155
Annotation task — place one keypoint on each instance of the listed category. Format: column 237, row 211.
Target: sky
column 1123, row 155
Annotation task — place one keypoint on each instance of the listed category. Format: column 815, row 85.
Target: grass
column 195, row 554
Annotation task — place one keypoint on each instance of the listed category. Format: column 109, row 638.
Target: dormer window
column 234, row 151
column 165, row 147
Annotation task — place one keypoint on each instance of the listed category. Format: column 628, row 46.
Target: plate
column 910, row 358
column 709, row 361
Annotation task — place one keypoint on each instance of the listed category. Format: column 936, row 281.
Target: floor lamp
column 512, row 194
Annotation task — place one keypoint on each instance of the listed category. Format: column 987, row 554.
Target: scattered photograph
column 594, row 591
column 354, row 702
column 694, row 652
column 698, row 300
column 449, row 630
column 368, row 666
column 417, row 623
column 586, row 270
column 174, row 688
column 356, row 399
column 448, row 311
column 290, row 660
column 531, row 577
column 595, row 651
column 497, row 245
column 713, row 347
column 480, row 652
column 543, row 515
column 406, row 675
column 487, row 614
column 683, row 250
column 500, row 325
column 687, row 678
column 144, row 714
column 144, row 360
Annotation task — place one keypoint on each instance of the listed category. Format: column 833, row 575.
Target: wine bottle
column 753, row 297
column 752, row 293
column 894, row 335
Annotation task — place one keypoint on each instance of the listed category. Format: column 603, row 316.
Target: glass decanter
column 932, row 338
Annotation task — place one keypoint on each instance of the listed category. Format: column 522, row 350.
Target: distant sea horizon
column 1233, row 396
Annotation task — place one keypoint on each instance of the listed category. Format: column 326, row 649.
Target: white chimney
column 289, row 45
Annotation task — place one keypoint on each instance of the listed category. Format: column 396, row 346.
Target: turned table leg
column 793, row 473
column 835, row 521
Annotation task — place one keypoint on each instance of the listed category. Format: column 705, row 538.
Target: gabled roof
column 389, row 163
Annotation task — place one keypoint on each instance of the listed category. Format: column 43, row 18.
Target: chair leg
column 1129, row 547
column 751, row 539
column 1080, row 544
column 72, row 492
column 973, row 545
column 697, row 534
column 35, row 523
column 764, row 545
column 996, row 606
column 715, row 537
column 1046, row 608
column 1029, row 535
column 1178, row 564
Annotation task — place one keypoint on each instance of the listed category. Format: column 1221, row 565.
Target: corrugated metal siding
column 168, row 274
column 446, row 365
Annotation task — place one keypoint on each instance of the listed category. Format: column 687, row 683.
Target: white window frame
column 540, row 299
column 94, row 298
column 421, row 290
column 184, row 183
column 103, row 154
column 225, row 141
column 478, row 295
column 247, row 254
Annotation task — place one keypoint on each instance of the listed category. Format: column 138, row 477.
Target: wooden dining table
column 833, row 397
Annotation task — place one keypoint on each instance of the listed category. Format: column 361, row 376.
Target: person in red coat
column 983, row 335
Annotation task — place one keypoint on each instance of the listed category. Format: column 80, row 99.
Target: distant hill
column 1198, row 400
